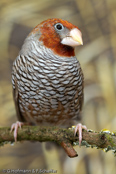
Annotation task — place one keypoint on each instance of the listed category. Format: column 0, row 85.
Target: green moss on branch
column 64, row 137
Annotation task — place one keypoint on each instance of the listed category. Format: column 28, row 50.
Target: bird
column 47, row 78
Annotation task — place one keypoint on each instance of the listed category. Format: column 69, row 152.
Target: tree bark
column 64, row 137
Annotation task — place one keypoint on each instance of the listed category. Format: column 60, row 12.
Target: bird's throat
column 64, row 50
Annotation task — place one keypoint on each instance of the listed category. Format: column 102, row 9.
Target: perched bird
column 47, row 78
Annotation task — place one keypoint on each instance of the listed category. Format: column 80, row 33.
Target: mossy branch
column 64, row 137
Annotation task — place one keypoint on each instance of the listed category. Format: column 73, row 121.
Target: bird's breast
column 49, row 90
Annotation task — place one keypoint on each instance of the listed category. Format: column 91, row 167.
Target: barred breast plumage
column 47, row 78
column 49, row 88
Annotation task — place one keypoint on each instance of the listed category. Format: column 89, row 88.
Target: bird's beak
column 76, row 35
column 73, row 39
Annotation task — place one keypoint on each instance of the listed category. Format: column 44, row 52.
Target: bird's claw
column 15, row 127
column 79, row 128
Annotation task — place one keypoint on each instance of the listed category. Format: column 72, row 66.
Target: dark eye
column 59, row 26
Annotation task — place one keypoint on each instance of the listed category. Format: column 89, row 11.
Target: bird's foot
column 79, row 128
column 15, row 127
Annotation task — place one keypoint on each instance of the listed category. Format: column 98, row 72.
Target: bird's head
column 59, row 35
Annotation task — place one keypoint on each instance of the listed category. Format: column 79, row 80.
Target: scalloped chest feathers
column 50, row 89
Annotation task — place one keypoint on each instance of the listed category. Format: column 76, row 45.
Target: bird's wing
column 16, row 101
column 81, row 102
column 81, row 97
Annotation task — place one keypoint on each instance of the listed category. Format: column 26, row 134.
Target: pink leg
column 15, row 127
column 79, row 128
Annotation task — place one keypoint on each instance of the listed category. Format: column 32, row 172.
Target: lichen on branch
column 64, row 137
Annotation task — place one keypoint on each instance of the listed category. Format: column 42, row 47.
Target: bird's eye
column 59, row 26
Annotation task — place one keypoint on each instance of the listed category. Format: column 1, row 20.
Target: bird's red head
column 59, row 35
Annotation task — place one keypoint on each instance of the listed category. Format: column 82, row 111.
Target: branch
column 64, row 137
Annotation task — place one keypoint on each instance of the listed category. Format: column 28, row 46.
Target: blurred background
column 97, row 21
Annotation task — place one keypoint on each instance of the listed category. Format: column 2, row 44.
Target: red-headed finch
column 47, row 78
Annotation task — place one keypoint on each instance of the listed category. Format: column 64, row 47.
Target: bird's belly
column 51, row 93
column 50, row 107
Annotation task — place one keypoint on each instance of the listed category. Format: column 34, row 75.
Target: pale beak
column 76, row 35
column 73, row 39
